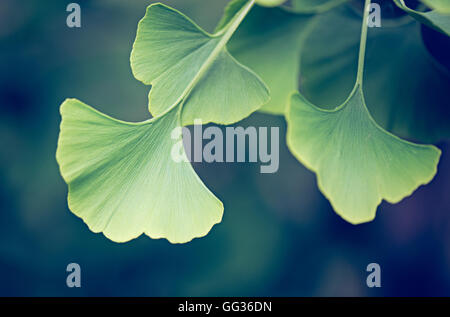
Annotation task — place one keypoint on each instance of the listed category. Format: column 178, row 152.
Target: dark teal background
column 279, row 235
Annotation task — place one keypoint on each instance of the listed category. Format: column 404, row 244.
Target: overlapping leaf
column 269, row 42
column 439, row 20
column 315, row 6
column 178, row 58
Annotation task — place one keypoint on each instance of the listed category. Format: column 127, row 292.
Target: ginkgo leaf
column 269, row 42
column 435, row 18
column 123, row 181
column 407, row 96
column 315, row 6
column 357, row 163
column 183, row 62
column 442, row 6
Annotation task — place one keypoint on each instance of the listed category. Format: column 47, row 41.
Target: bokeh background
column 279, row 235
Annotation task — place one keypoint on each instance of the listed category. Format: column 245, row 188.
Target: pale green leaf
column 183, row 62
column 357, row 163
column 435, row 19
column 123, row 181
column 269, row 42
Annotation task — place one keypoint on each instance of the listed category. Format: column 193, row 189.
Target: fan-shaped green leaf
column 435, row 19
column 123, row 181
column 357, row 163
column 179, row 59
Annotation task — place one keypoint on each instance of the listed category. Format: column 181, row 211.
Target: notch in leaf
column 438, row 19
column 357, row 162
column 183, row 62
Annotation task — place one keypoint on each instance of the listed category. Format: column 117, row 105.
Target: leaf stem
column 362, row 47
